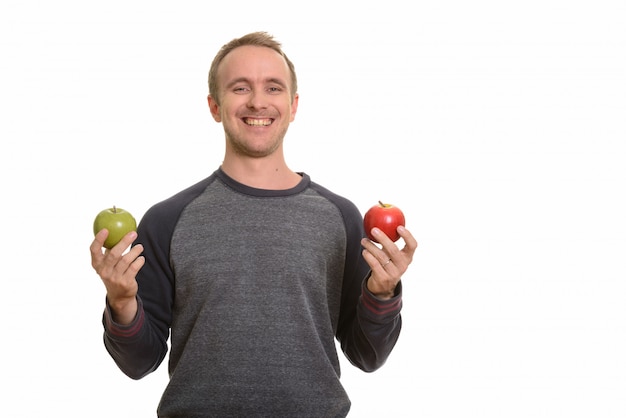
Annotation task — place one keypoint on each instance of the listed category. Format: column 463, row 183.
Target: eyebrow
column 271, row 80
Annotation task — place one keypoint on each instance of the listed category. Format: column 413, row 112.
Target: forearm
column 374, row 330
column 136, row 347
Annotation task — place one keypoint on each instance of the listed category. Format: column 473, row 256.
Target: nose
column 256, row 100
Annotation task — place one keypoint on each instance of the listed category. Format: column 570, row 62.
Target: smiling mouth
column 257, row 122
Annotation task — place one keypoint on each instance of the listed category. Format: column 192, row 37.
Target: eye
column 274, row 89
column 240, row 89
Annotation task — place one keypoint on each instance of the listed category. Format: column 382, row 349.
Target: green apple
column 117, row 221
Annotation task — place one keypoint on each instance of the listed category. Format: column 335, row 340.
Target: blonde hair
column 254, row 39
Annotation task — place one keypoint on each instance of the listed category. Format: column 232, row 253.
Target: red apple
column 385, row 217
column 117, row 221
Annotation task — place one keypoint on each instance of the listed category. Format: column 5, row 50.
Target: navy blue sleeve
column 139, row 348
column 368, row 327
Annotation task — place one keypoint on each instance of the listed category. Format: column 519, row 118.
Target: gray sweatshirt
column 254, row 286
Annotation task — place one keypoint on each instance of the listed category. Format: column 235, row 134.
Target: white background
column 498, row 127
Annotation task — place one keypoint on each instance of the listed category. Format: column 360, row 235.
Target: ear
column 214, row 108
column 294, row 107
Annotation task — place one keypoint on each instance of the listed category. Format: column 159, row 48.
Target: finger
column 383, row 280
column 124, row 243
column 136, row 265
column 98, row 241
column 380, row 236
column 409, row 241
column 125, row 262
column 374, row 262
column 108, row 263
column 389, row 248
column 96, row 247
column 375, row 250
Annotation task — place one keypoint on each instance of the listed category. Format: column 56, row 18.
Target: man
column 255, row 270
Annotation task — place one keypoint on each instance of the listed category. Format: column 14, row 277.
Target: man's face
column 255, row 100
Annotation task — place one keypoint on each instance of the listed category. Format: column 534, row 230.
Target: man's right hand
column 118, row 269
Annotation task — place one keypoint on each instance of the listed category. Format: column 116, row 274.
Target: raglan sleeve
column 140, row 347
column 368, row 327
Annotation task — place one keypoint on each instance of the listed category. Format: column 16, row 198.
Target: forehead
column 253, row 62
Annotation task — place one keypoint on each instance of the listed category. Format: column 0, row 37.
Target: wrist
column 123, row 311
column 378, row 292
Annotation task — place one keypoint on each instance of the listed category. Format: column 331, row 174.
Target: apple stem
column 114, row 209
column 384, row 205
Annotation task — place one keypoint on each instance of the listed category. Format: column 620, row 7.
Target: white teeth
column 258, row 122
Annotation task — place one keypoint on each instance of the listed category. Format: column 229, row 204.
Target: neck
column 261, row 173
